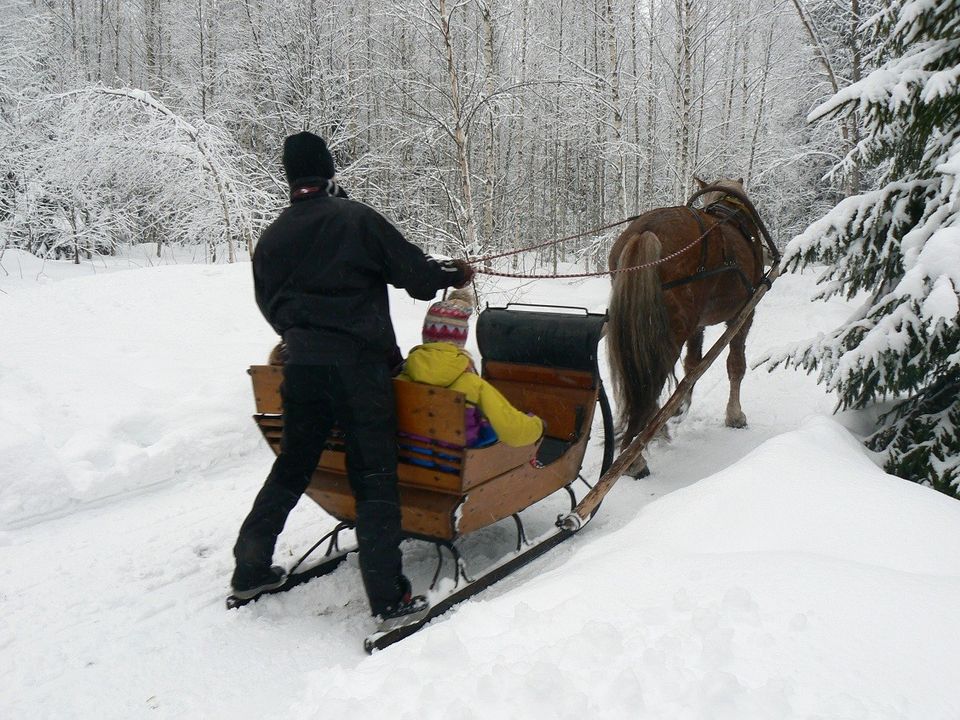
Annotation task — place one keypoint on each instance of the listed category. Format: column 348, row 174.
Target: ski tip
column 396, row 629
column 416, row 618
column 233, row 602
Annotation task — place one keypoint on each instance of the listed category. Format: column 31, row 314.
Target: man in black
column 320, row 274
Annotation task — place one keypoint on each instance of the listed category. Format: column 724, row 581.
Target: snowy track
column 768, row 573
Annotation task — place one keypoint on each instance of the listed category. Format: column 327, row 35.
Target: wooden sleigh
column 544, row 361
column 448, row 490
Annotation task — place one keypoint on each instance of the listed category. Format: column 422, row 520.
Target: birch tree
column 472, row 124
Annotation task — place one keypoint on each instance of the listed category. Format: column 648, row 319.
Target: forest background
column 482, row 126
column 475, row 125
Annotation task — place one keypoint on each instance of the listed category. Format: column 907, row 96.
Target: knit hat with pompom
column 449, row 320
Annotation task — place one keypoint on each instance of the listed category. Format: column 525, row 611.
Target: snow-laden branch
column 209, row 158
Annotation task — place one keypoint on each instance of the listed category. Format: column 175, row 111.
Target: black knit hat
column 306, row 155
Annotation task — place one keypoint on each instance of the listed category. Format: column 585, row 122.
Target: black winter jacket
column 320, row 273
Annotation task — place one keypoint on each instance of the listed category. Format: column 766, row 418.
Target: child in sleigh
column 442, row 361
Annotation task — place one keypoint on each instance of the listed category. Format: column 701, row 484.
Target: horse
column 694, row 268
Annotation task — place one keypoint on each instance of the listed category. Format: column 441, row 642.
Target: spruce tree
column 901, row 244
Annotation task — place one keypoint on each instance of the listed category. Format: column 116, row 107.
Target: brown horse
column 656, row 309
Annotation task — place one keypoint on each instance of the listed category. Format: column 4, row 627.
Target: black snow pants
column 360, row 399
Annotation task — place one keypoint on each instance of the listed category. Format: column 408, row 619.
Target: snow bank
column 121, row 381
column 814, row 491
column 22, row 270
column 800, row 582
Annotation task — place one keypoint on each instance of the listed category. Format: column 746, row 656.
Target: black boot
column 255, row 542
column 408, row 609
column 250, row 581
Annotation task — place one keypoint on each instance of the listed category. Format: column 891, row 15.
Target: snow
column 940, row 84
column 899, row 80
column 707, row 606
column 772, row 572
column 100, row 376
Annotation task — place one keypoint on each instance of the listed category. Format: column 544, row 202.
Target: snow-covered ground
column 772, row 572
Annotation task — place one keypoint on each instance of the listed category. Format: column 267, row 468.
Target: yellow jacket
column 446, row 365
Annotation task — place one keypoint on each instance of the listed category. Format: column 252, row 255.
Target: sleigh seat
column 447, row 489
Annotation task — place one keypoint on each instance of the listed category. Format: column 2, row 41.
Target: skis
column 380, row 640
column 296, row 578
column 398, row 631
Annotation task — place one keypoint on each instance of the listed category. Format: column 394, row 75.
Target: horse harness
column 726, row 210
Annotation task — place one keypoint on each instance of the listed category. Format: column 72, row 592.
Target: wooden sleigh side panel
column 422, row 410
column 445, row 489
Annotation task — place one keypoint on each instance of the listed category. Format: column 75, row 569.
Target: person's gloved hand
column 467, row 270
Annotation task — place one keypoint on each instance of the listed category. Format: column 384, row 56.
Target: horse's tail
column 639, row 341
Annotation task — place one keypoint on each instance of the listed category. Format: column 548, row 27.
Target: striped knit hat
column 449, row 320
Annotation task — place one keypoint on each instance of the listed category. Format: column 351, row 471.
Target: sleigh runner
column 545, row 362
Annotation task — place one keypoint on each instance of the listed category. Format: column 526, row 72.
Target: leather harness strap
column 723, row 210
column 704, row 233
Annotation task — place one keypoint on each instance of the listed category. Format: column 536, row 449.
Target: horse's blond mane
column 712, row 197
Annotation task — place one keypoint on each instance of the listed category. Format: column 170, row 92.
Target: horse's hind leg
column 736, row 369
column 639, row 467
column 690, row 361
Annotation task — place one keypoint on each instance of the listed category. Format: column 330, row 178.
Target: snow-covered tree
column 901, row 244
column 110, row 166
column 542, row 120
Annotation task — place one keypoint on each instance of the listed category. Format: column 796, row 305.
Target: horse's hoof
column 737, row 421
column 640, row 474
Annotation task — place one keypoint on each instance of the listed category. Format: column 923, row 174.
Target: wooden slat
column 450, row 459
column 431, row 412
column 537, row 374
column 272, row 428
column 422, row 410
column 426, row 451
column 556, row 406
column 412, row 475
column 517, row 489
column 424, row 513
column 266, row 388
column 482, row 464
column 449, row 464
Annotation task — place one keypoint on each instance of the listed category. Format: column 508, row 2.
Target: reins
column 548, row 243
column 631, row 268
column 747, row 204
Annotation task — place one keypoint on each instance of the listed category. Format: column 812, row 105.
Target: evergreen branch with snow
column 900, row 243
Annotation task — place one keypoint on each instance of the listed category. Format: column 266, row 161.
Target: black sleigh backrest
column 566, row 338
